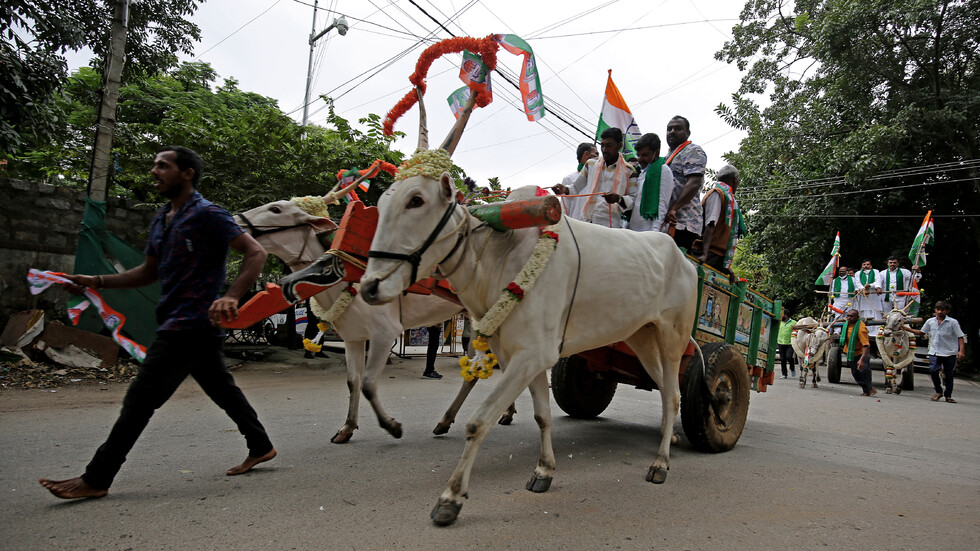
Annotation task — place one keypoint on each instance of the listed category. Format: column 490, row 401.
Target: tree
column 253, row 152
column 873, row 118
column 35, row 34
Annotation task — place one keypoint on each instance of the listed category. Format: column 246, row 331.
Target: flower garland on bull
column 481, row 365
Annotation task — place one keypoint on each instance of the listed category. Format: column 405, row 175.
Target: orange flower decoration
column 487, row 48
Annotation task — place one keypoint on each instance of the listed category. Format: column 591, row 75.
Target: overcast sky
column 661, row 54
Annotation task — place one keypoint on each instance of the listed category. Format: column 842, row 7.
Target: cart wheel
column 715, row 400
column 908, row 374
column 578, row 392
column 833, row 364
column 269, row 333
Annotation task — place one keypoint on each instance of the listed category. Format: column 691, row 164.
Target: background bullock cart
column 734, row 328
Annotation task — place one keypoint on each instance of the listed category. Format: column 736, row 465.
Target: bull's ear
column 322, row 225
column 446, row 183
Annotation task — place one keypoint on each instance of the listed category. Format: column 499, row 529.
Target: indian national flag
column 917, row 254
column 616, row 114
column 828, row 273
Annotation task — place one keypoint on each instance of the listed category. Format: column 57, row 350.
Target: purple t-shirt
column 191, row 254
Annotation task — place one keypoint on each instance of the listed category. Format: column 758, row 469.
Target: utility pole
column 106, row 125
column 338, row 23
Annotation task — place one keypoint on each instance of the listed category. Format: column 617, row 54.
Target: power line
column 838, row 193
column 274, row 4
column 645, row 27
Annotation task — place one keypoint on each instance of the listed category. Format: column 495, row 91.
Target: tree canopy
column 35, row 34
column 253, row 152
column 872, row 119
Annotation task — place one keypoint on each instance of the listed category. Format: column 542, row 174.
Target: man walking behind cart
column 946, row 345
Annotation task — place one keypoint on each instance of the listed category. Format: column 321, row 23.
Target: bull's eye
column 415, row 202
column 276, row 210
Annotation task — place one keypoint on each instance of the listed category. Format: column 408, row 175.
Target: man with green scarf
column 655, row 185
column 723, row 224
column 893, row 280
column 855, row 346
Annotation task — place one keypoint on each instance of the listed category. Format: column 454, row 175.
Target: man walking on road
column 785, row 341
column 856, row 347
column 946, row 345
column 186, row 250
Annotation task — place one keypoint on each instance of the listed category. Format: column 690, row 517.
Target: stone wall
column 39, row 225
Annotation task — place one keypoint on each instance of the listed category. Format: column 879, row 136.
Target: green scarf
column 867, row 277
column 850, row 285
column 650, row 200
column 888, row 282
column 852, row 343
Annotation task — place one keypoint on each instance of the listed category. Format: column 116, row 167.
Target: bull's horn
column 452, row 140
column 423, row 131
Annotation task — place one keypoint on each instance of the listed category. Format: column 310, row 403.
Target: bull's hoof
column 445, row 513
column 898, row 389
column 442, row 428
column 538, row 483
column 342, row 436
column 818, row 379
column 888, row 390
column 802, row 384
column 394, row 428
column 657, row 475
column 814, row 385
column 506, row 419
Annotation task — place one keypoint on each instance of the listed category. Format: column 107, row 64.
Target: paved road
column 820, row 468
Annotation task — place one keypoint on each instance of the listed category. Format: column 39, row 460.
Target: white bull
column 600, row 286
column 812, row 343
column 287, row 231
column 894, row 349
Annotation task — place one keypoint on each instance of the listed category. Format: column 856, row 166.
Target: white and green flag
column 917, row 254
column 531, row 94
column 830, row 271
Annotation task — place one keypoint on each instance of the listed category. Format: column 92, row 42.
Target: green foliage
column 865, row 99
column 35, row 34
column 253, row 153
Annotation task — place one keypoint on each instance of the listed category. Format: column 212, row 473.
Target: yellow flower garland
column 481, row 365
column 311, row 346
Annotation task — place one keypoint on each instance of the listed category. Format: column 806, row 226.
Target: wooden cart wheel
column 834, row 363
column 908, row 377
column 578, row 392
column 715, row 398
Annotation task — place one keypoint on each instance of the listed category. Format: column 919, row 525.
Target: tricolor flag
column 615, row 113
column 826, row 277
column 917, row 254
column 531, row 94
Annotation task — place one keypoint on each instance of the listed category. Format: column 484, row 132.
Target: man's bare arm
column 691, row 186
column 226, row 307
column 140, row 276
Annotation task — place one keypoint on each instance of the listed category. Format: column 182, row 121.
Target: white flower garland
column 426, row 162
column 312, row 204
column 481, row 365
column 523, row 283
column 339, row 306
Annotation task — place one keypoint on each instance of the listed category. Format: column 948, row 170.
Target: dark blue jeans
column 170, row 359
column 946, row 364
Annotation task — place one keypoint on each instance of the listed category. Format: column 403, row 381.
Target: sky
column 661, row 54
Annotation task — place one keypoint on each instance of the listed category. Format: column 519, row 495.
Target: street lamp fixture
column 339, row 23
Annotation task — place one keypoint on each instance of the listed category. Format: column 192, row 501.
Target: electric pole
column 338, row 23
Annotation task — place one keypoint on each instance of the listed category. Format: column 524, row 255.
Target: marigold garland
column 482, row 363
column 311, row 346
column 323, row 326
column 487, row 48
column 383, row 165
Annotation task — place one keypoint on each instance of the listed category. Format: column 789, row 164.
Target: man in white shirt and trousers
column 893, row 280
column 610, row 184
column 869, row 303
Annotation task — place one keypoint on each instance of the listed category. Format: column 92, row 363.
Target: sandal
column 950, row 401
column 936, row 397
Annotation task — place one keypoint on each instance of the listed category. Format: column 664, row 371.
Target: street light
column 339, row 23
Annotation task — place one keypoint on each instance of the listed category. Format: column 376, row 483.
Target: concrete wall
column 39, row 226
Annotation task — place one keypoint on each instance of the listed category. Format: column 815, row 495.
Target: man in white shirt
column 572, row 206
column 843, row 289
column 609, row 183
column 946, row 345
column 654, row 186
column 893, row 280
